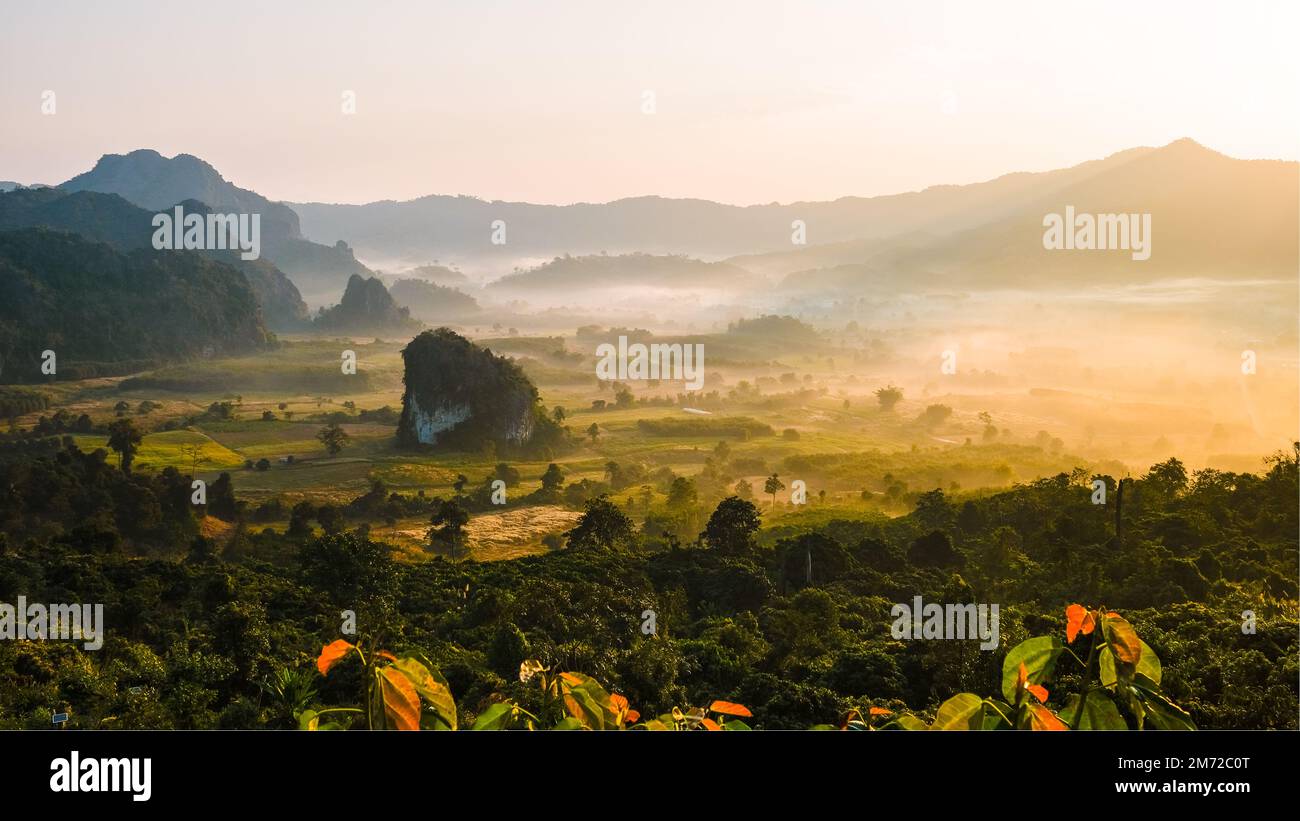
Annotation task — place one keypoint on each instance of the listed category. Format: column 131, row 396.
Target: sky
column 559, row 102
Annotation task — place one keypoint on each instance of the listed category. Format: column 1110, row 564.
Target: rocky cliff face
column 461, row 395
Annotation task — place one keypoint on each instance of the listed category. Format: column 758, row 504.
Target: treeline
column 794, row 624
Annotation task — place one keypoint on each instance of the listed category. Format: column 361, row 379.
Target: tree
column 459, row 484
column 263, row 464
column 888, row 397
column 268, row 416
column 124, row 438
column 682, row 494
column 594, row 431
column 553, row 478
column 732, row 526
column 333, row 437
column 722, row 451
column 558, row 415
column 935, row 415
column 773, row 486
column 507, row 474
column 743, row 489
column 602, row 526
column 448, row 532
column 194, row 455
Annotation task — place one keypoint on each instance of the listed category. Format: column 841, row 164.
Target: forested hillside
column 105, row 312
column 794, row 626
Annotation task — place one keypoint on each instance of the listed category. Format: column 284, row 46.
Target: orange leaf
column 1041, row 718
column 880, row 711
column 1079, row 619
column 1124, row 641
column 632, row 717
column 728, row 709
column 1022, row 683
column 401, row 701
column 384, row 654
column 618, row 703
column 572, row 679
column 331, row 653
column 710, row 725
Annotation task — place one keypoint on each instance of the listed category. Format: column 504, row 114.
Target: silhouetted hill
column 638, row 270
column 449, row 227
column 366, row 308
column 1211, row 216
column 104, row 312
column 433, row 303
column 110, row 218
column 155, row 182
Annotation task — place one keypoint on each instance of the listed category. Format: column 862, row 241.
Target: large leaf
column 330, row 654
column 905, row 722
column 401, row 701
column 964, row 711
column 729, row 709
column 496, row 717
column 1162, row 713
column 1099, row 713
column 431, row 686
column 584, row 707
column 1123, row 639
column 1149, row 663
column 997, row 715
column 1039, row 656
column 1041, row 718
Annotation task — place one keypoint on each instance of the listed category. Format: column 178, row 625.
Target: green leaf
column 431, row 686
column 1162, row 713
column 905, row 722
column 569, row 723
column 964, row 711
column 1123, row 639
column 1106, row 667
column 736, row 725
column 496, row 717
column 308, row 720
column 997, row 715
column 1039, row 656
column 1099, row 712
column 1149, row 663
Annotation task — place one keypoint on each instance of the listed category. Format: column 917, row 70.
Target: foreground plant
column 1120, row 671
column 397, row 689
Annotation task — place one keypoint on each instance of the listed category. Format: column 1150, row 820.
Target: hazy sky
column 755, row 101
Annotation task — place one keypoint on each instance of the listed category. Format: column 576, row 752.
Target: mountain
column 460, row 395
column 1211, row 216
column 366, row 308
column 437, row 274
column 111, row 219
column 460, row 228
column 433, row 303
column 565, row 274
column 155, row 182
column 104, row 311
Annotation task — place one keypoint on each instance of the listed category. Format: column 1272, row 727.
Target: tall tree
column 124, row 438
